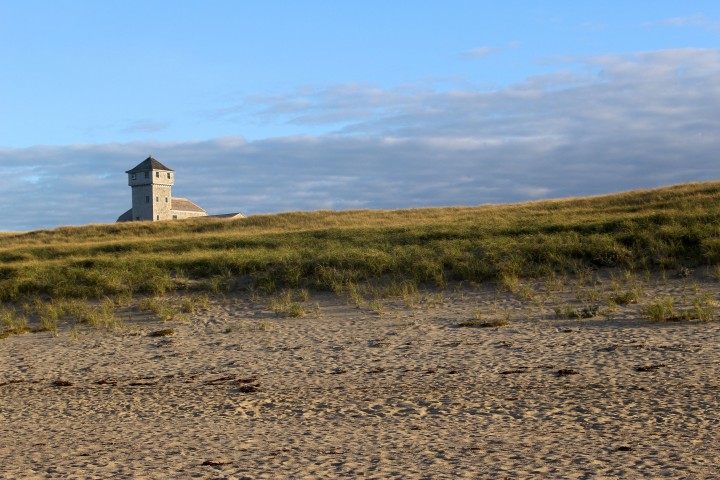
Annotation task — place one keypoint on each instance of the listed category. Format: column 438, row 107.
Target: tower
column 151, row 183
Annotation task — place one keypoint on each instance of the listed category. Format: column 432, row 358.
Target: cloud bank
column 594, row 125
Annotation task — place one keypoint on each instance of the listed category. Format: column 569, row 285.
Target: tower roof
column 149, row 164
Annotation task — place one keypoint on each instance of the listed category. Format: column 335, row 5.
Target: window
column 147, row 174
column 174, row 217
column 133, row 176
column 137, row 218
column 157, row 174
column 157, row 199
column 147, row 198
column 168, row 174
column 166, row 199
column 158, row 217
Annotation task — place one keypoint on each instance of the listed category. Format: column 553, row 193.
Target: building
column 152, row 199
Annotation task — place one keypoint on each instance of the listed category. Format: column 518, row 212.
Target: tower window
column 158, row 217
column 147, row 198
column 157, row 199
column 166, row 199
column 168, row 174
column 147, row 174
column 133, row 176
column 157, row 174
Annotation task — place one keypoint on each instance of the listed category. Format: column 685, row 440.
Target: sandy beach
column 348, row 392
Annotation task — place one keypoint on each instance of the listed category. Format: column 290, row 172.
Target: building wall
column 162, row 198
column 142, row 202
column 160, row 177
column 179, row 215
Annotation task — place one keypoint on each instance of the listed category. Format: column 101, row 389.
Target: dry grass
column 285, row 304
column 667, row 309
column 165, row 332
column 669, row 228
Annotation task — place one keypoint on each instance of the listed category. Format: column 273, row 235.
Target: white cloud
column 698, row 20
column 595, row 125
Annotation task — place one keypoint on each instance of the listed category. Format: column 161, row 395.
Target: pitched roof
column 125, row 217
column 148, row 164
column 227, row 215
column 185, row 205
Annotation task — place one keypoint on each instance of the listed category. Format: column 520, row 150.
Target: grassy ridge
column 662, row 228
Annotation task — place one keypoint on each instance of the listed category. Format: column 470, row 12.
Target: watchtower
column 151, row 183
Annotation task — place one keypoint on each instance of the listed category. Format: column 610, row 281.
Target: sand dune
column 240, row 393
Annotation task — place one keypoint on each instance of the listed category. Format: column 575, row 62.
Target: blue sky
column 278, row 105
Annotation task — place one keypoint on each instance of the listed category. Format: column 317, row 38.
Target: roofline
column 198, row 207
column 153, row 163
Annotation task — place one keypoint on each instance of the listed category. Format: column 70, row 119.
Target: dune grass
column 329, row 250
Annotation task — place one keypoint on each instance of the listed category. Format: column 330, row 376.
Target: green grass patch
column 663, row 228
column 661, row 310
column 567, row 312
column 630, row 296
column 664, row 310
column 285, row 304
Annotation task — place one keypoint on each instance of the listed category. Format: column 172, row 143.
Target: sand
column 237, row 392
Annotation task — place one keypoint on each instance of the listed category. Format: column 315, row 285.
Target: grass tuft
column 165, row 332
column 661, row 310
column 283, row 304
column 567, row 312
column 13, row 323
column 631, row 296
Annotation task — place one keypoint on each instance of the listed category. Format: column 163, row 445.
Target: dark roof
column 125, row 217
column 185, row 205
column 227, row 215
column 149, row 164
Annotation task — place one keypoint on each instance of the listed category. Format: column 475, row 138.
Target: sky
column 270, row 106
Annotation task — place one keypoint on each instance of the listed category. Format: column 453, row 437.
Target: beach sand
column 238, row 392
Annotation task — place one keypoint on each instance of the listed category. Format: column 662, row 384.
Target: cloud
column 699, row 20
column 328, row 105
column 594, row 125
